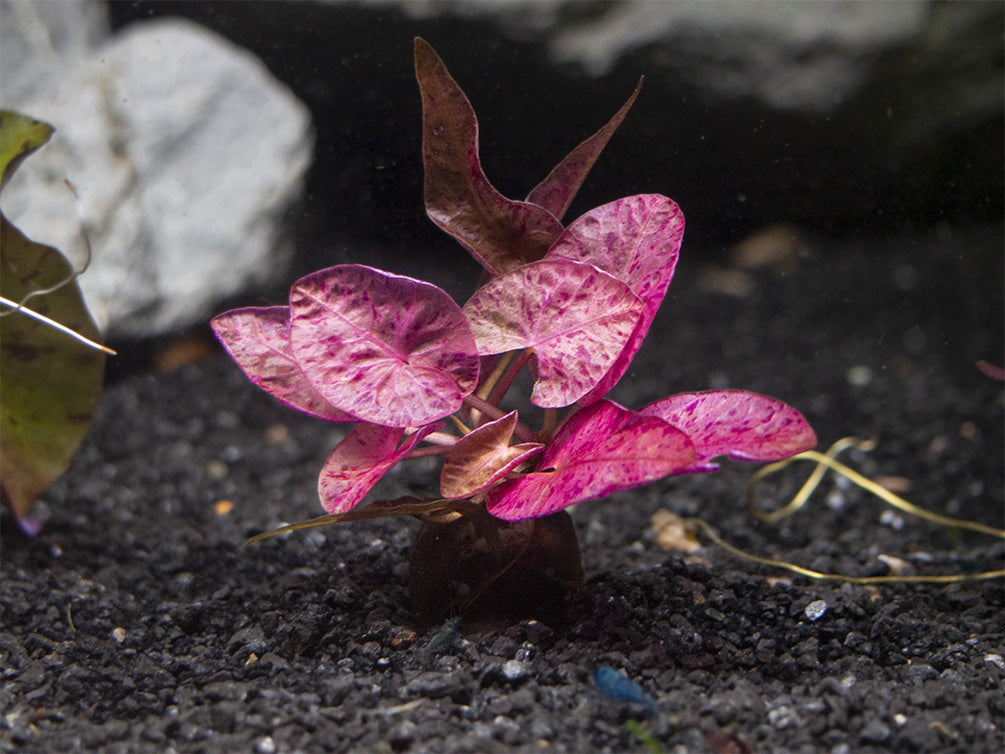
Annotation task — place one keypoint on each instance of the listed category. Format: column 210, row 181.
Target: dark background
column 733, row 166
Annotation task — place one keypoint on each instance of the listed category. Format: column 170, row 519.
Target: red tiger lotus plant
column 420, row 375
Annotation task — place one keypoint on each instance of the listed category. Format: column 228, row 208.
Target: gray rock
column 802, row 57
column 435, row 685
column 35, row 37
column 875, row 732
column 185, row 152
column 250, row 639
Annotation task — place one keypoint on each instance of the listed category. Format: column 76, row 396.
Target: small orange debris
column 939, row 727
column 404, row 638
column 223, row 507
column 672, row 533
column 899, row 485
column 780, row 245
column 724, row 280
column 182, row 351
column 276, row 434
column 898, row 566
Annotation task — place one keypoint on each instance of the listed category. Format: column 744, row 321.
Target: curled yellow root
column 825, row 461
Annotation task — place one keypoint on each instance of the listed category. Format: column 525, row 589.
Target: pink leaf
column 483, row 457
column 556, row 192
column 990, row 370
column 602, row 449
column 500, row 233
column 575, row 317
column 258, row 339
column 360, row 459
column 637, row 240
column 742, row 425
column 385, row 348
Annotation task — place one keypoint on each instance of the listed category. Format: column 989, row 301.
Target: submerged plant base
column 485, row 570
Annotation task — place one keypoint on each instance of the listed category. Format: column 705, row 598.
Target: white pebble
column 815, row 609
column 859, row 375
column 514, row 670
column 891, row 519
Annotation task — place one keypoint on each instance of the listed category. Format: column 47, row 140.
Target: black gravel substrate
column 136, row 622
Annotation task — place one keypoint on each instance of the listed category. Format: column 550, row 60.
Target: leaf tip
column 424, row 53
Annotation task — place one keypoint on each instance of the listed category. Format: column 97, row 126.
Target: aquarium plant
column 419, row 374
column 51, row 365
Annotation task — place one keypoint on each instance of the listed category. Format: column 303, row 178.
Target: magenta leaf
column 990, row 370
column 575, row 317
column 601, row 449
column 360, row 459
column 258, row 339
column 556, row 192
column 385, row 348
column 483, row 457
column 742, row 425
column 637, row 240
column 500, row 233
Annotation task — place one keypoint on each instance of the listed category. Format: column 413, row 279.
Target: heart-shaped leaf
column 50, row 382
column 500, row 233
column 556, row 192
column 574, row 316
column 601, row 449
column 360, row 459
column 742, row 425
column 483, row 457
column 637, row 240
column 258, row 339
column 385, row 348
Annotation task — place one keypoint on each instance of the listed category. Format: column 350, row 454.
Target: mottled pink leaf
column 742, row 425
column 637, row 240
column 385, row 348
column 990, row 370
column 360, row 459
column 500, row 233
column 601, row 449
column 556, row 192
column 483, row 457
column 575, row 317
column 258, row 339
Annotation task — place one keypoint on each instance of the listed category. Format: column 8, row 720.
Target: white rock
column 35, row 37
column 803, row 57
column 792, row 56
column 186, row 154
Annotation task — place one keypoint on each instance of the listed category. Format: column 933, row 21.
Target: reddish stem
column 508, row 377
column 429, row 450
column 494, row 412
